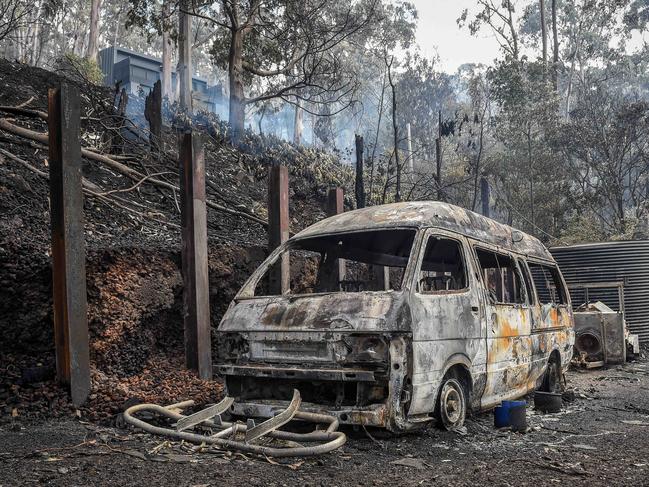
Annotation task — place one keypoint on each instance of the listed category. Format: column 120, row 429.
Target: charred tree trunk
column 555, row 47
column 167, row 50
column 395, row 129
column 116, row 140
column 438, row 157
column 185, row 59
column 93, row 34
column 153, row 113
column 359, row 187
column 544, row 33
column 298, row 123
column 235, row 75
column 376, row 140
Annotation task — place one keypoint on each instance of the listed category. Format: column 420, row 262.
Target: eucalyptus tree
column 284, row 49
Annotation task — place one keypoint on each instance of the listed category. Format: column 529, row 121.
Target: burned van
column 396, row 315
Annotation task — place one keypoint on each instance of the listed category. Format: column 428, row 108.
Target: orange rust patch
column 554, row 316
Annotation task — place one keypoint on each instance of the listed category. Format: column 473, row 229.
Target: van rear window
column 348, row 262
column 549, row 287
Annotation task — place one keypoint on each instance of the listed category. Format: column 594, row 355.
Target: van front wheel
column 451, row 405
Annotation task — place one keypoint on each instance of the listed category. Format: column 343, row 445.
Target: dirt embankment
column 135, row 323
column 133, row 240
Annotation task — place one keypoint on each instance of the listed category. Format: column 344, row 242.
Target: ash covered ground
column 600, row 438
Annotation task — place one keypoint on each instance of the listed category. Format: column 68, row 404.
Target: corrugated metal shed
column 626, row 261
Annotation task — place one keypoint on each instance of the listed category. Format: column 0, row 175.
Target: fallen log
column 123, row 169
column 24, row 111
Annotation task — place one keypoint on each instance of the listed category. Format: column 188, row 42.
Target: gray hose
column 333, row 439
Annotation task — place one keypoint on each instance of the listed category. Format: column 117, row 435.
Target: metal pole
column 278, row 227
column 68, row 245
column 196, row 303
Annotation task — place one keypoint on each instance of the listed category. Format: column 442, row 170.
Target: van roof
column 421, row 214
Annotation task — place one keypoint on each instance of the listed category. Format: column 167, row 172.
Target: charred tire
column 452, row 402
column 552, row 379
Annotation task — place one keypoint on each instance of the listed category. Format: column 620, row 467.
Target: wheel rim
column 452, row 405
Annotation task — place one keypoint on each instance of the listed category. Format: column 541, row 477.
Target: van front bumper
column 375, row 414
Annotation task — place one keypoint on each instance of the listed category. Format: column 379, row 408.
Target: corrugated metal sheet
column 626, row 261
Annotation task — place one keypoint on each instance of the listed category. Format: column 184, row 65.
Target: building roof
column 421, row 214
column 134, row 54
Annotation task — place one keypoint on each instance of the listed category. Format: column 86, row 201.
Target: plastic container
column 548, row 402
column 518, row 417
column 502, row 413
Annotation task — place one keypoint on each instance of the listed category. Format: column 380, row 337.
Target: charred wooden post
column 278, row 227
column 121, row 104
column 196, row 305
column 484, row 196
column 335, row 206
column 68, row 244
column 359, row 187
column 335, row 201
column 153, row 113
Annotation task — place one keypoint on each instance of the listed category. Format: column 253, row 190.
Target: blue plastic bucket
column 501, row 415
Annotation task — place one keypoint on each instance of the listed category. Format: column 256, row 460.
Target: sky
column 438, row 32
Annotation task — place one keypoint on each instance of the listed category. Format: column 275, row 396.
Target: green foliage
column 80, row 68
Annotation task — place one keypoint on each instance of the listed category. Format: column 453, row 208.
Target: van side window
column 549, row 286
column 528, row 281
column 501, row 277
column 442, row 267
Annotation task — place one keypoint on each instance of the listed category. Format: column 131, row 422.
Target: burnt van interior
column 442, row 267
column 347, row 262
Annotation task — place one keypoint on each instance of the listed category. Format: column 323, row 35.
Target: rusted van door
column 508, row 322
column 552, row 327
column 446, row 308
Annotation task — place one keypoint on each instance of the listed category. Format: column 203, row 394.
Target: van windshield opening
column 347, row 262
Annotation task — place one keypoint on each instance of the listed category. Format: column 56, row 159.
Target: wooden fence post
column 278, row 227
column 359, row 186
column 484, row 196
column 68, row 243
column 335, row 206
column 196, row 304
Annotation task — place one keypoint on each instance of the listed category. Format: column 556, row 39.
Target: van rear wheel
column 451, row 404
column 552, row 380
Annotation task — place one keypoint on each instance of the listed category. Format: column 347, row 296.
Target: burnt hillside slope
column 133, row 241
